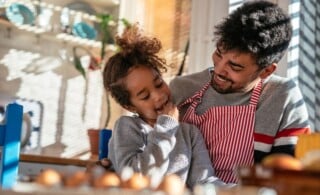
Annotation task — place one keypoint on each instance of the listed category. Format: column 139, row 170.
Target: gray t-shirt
column 281, row 112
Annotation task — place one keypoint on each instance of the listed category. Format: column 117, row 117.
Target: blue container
column 104, row 137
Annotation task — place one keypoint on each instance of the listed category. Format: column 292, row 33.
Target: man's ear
column 267, row 71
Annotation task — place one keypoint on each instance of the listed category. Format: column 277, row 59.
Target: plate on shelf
column 18, row 13
column 84, row 30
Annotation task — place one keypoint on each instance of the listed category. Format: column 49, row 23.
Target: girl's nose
column 158, row 95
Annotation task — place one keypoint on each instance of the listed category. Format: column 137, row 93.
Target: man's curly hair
column 135, row 50
column 257, row 27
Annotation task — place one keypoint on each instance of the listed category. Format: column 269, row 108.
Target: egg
column 137, row 182
column 49, row 178
column 77, row 179
column 172, row 185
column 108, row 179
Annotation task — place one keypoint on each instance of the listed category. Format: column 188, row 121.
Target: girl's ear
column 267, row 71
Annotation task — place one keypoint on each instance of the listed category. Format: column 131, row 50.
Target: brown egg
column 108, row 179
column 282, row 161
column 77, row 179
column 49, row 178
column 137, row 182
column 172, row 185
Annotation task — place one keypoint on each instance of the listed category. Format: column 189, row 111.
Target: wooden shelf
column 55, row 160
column 50, row 35
column 58, row 8
column 57, row 37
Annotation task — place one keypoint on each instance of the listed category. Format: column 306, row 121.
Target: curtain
column 304, row 54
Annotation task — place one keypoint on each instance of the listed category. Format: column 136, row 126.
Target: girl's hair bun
column 133, row 42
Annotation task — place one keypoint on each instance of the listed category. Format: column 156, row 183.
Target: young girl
column 151, row 141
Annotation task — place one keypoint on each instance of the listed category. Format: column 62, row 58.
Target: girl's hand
column 104, row 163
column 171, row 110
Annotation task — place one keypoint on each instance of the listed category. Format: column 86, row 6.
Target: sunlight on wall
column 81, row 111
column 71, row 104
column 16, row 61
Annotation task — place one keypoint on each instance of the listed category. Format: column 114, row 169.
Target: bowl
column 18, row 13
column 84, row 30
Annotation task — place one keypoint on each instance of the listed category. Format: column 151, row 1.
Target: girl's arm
column 141, row 147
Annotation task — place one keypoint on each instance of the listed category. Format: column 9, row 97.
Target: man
column 243, row 110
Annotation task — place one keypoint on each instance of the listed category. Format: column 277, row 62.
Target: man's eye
column 236, row 68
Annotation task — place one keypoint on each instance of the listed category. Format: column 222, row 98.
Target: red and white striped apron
column 227, row 131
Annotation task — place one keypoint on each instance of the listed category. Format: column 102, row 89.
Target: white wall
column 205, row 14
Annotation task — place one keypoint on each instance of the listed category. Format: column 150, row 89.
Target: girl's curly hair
column 135, row 49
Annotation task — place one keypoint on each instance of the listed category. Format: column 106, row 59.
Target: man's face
column 234, row 71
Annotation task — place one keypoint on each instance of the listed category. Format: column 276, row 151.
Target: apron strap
column 254, row 99
column 197, row 96
column 256, row 94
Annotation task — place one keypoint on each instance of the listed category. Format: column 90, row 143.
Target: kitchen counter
column 253, row 180
column 31, row 189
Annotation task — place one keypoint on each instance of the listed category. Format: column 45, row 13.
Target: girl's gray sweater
column 169, row 147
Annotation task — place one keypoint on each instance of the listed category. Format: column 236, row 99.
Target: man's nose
column 220, row 67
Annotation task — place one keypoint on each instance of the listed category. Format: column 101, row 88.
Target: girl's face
column 149, row 93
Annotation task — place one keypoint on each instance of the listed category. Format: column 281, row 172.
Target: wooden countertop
column 56, row 160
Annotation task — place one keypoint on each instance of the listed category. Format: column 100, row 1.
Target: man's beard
column 215, row 86
column 220, row 90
